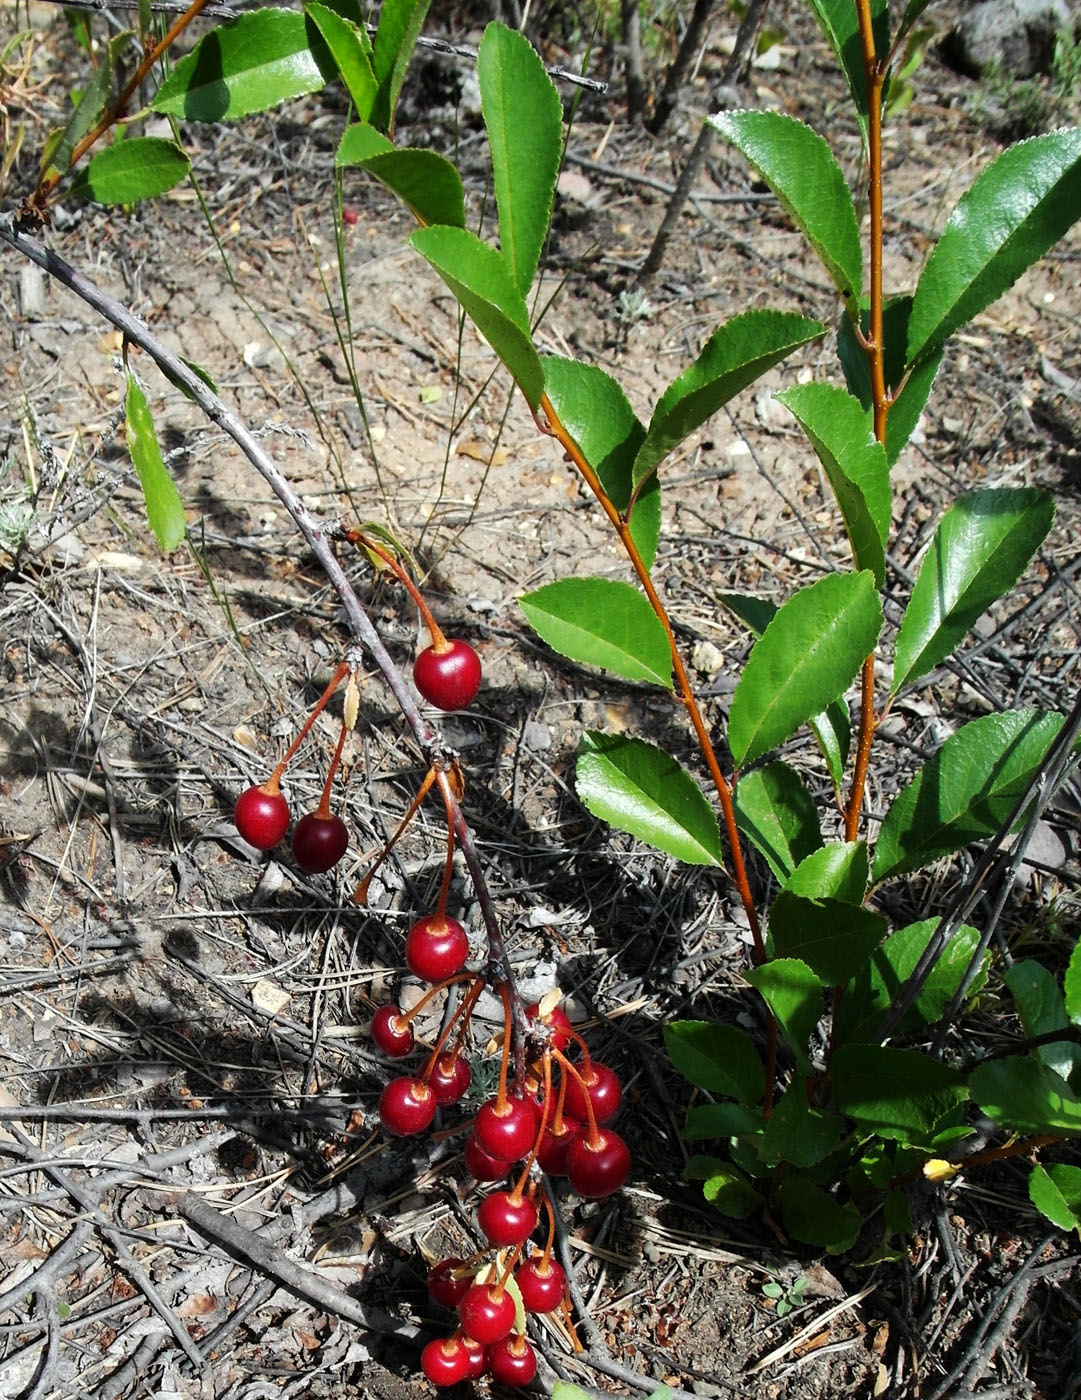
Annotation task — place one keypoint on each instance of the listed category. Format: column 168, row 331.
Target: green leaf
column 251, row 64
column 724, row 1187
column 1024, row 1096
column 524, row 119
column 480, row 279
column 138, row 168
column 719, row 1059
column 899, row 1094
column 839, row 22
column 838, row 870
column 643, row 790
column 593, row 408
column 426, row 183
column 1042, row 1010
column 721, row 1120
column 351, row 52
column 800, row 169
column 735, row 355
column 756, row 614
column 164, row 508
column 89, row 110
column 981, row 547
column 1055, row 1191
column 1071, row 984
column 965, row 791
column 832, row 937
column 798, row 1134
column 813, row 1216
column 1012, row 214
column 778, row 816
column 841, row 434
column 794, row 994
column 804, row 660
column 602, row 622
column 876, row 987
column 400, row 23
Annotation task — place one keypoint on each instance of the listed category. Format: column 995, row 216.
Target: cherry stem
column 439, row 641
column 360, row 894
column 323, row 810
column 504, row 1059
column 460, row 1018
column 542, row 1125
column 470, row 997
column 448, row 864
column 271, row 784
column 566, row 1066
column 546, row 1257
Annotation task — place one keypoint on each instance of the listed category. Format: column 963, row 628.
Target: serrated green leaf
column 426, row 183
column 804, row 660
column 756, row 614
column 838, row 870
column 840, row 24
column 1055, row 1191
column 400, row 23
column 965, row 791
column 899, row 1094
column 644, row 791
column 480, row 279
column 834, row 938
column 720, row 1120
column 164, row 508
column 1013, row 213
column 593, row 408
column 1042, row 1010
column 524, row 120
column 813, row 1216
column 841, row 433
column 602, row 622
column 350, row 51
column 798, row 1134
column 982, row 546
column 735, row 355
column 778, row 816
column 794, row 994
column 138, row 168
column 250, row 64
column 1023, row 1095
column 717, row 1058
column 800, row 169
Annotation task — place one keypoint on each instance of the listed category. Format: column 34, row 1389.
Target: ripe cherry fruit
column 505, row 1129
column 392, row 1033
column 450, row 1078
column 436, row 947
column 261, row 817
column 512, row 1361
column 406, row 1106
column 604, row 1090
column 481, row 1165
column 448, row 679
column 487, row 1313
column 444, row 1287
column 506, row 1218
column 598, row 1165
column 319, row 842
column 552, row 1151
column 541, row 1283
column 445, row 1361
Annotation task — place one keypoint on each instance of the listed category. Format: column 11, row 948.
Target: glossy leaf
column 1012, row 214
column 643, row 790
column 1042, row 1011
column 480, row 279
column 832, row 937
column 735, row 355
column 138, row 168
column 351, row 52
column 720, row 1120
column 524, row 120
column 719, row 1059
column 838, row 870
column 910, row 392
column 804, row 660
column 426, row 183
column 778, row 816
column 725, row 1187
column 855, row 464
column 981, row 548
column 400, row 23
column 798, row 1134
column 250, row 64
column 602, row 622
column 794, row 994
column 596, row 412
column 899, row 1094
column 1055, row 1191
column 812, row 1215
column 839, row 22
column 965, row 791
column 164, row 508
column 800, row 169
column 1025, row 1096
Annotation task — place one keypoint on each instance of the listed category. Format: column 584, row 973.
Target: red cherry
column 436, row 948
column 448, row 679
column 319, row 842
column 604, row 1090
column 478, row 1357
column 558, row 1023
column 552, row 1152
column 444, row 1287
column 487, row 1312
column 261, row 817
column 541, row 1283
column 506, row 1218
column 406, row 1106
column 450, row 1078
column 481, row 1165
column 445, row 1362
column 349, row 215
column 392, row 1033
column 598, row 1166
column 512, row 1361
column 506, row 1129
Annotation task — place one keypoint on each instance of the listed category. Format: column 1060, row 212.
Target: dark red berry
column 506, row 1129
column 450, row 1078
column 436, row 948
column 512, row 1361
column 444, row 1287
column 319, row 842
column 481, row 1165
column 445, row 1361
column 261, row 817
column 478, row 1357
column 541, row 1283
column 448, row 679
column 599, row 1166
column 604, row 1090
column 558, row 1023
column 392, row 1033
column 506, row 1218
column 406, row 1106
column 487, row 1313
column 552, row 1152
column 349, row 215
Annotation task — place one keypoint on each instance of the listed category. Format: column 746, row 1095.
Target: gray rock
column 1015, row 36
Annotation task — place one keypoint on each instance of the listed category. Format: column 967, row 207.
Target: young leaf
column 719, row 1059
column 899, row 1094
column 838, row 870
column 797, row 1133
column 855, row 464
column 524, row 119
column 833, row 938
column 778, row 816
column 593, row 408
column 351, row 52
column 1055, row 1191
column 1042, row 1010
column 804, row 660
column 480, row 279
column 164, row 508
column 800, row 169
column 138, row 168
column 813, row 1216
column 840, row 24
column 1014, row 211
column 644, row 791
column 725, row 1187
column 1023, row 1095
column 602, row 622
column 252, row 63
column 426, row 182
column 965, row 791
column 794, row 994
column 400, row 23
column 981, row 547
column 735, row 355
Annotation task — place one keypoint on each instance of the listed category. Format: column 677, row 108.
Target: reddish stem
column 271, row 784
